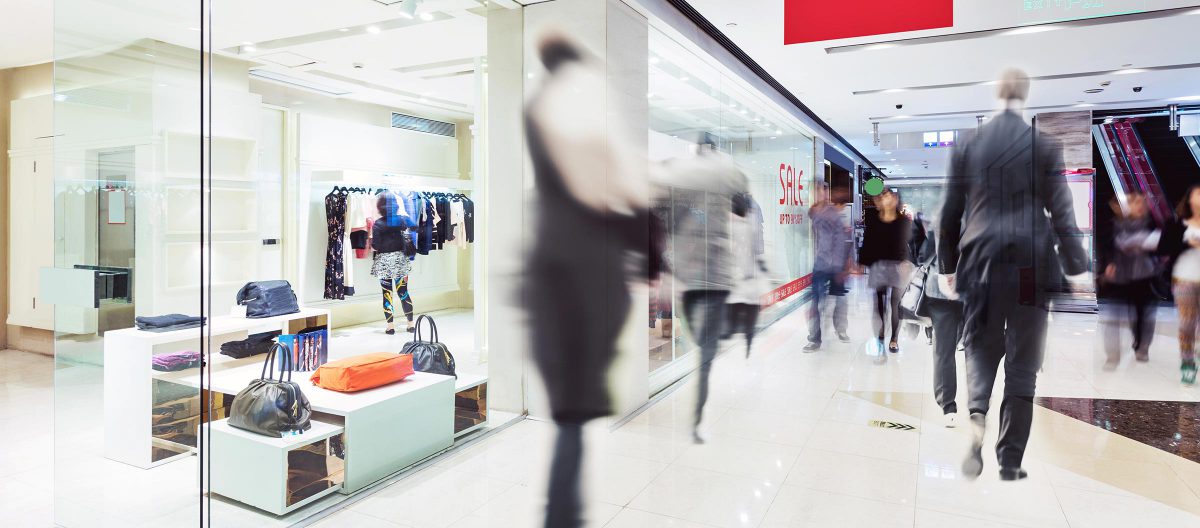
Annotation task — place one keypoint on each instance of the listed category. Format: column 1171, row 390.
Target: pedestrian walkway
column 824, row 440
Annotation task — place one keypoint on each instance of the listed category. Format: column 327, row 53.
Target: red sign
column 790, row 186
column 816, row 20
column 787, row 290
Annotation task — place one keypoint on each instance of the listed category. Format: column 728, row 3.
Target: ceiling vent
column 420, row 124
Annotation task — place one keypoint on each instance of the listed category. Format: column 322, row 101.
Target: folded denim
column 169, row 322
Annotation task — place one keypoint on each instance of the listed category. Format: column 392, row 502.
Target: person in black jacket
column 997, row 251
column 885, row 252
column 392, row 260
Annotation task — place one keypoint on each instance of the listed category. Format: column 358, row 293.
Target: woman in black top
column 885, row 252
column 392, row 263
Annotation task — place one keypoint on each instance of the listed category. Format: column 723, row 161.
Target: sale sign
column 790, row 185
column 817, row 20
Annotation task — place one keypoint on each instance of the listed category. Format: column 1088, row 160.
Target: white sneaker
column 950, row 420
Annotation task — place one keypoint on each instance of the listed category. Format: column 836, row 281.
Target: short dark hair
column 556, row 50
column 1184, row 210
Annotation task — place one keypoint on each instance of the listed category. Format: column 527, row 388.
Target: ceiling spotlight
column 1093, row 90
column 778, row 131
column 409, row 9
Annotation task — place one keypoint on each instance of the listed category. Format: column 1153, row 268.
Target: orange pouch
column 363, row 372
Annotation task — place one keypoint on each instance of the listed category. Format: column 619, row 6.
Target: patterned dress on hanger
column 335, row 275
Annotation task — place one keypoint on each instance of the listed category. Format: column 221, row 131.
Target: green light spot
column 874, row 186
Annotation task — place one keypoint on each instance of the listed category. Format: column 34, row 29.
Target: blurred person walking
column 1181, row 241
column 997, row 249
column 1128, row 277
column 592, row 213
column 885, row 252
column 750, row 274
column 947, row 318
column 706, row 188
column 833, row 258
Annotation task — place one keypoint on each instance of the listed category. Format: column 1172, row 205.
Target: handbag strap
column 268, row 371
column 433, row 331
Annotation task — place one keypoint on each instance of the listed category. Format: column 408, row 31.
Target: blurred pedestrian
column 1181, row 240
column 706, row 188
column 997, row 250
column 1128, row 279
column 592, row 212
column 832, row 260
column 750, row 274
column 946, row 315
column 885, row 252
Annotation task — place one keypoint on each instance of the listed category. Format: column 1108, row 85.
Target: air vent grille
column 420, row 124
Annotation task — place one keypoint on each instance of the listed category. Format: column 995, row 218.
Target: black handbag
column 268, row 298
column 429, row 356
column 271, row 407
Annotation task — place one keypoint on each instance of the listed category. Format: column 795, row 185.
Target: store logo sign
column 790, row 186
column 816, row 20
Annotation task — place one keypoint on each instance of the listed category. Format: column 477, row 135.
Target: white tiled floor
column 790, row 445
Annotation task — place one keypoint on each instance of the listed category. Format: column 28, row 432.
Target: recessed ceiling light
column 374, row 30
column 1187, row 98
column 343, row 30
column 887, row 152
column 1093, row 90
column 778, row 131
column 1129, row 71
column 1084, row 105
column 893, row 159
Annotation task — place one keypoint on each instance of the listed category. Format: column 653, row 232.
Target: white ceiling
column 26, row 32
column 827, row 82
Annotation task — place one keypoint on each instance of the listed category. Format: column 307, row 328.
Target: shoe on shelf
column 812, row 346
column 1011, row 473
column 1187, row 372
column 950, row 420
column 843, row 337
column 973, row 465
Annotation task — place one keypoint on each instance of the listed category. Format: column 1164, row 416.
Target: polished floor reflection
column 791, row 444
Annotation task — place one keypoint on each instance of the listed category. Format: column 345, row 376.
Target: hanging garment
column 443, row 222
column 347, row 255
column 457, row 219
column 469, row 219
column 335, row 217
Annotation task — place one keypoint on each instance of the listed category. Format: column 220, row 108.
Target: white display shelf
column 130, row 381
column 254, row 469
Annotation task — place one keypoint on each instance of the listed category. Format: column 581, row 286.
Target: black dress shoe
column 1012, row 474
column 390, row 331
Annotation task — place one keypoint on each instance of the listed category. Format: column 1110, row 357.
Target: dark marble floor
column 1172, row 426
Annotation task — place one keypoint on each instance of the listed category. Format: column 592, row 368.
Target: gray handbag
column 429, row 356
column 268, row 298
column 272, row 407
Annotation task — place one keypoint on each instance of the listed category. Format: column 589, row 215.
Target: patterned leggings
column 1187, row 301
column 400, row 287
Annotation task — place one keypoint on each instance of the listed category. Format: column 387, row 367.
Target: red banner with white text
column 817, row 20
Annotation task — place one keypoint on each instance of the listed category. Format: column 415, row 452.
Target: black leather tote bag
column 268, row 298
column 429, row 356
column 272, row 407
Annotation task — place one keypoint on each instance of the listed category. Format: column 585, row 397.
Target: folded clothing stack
column 251, row 346
column 176, row 361
column 167, row 323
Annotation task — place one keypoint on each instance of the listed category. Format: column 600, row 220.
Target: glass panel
column 125, row 102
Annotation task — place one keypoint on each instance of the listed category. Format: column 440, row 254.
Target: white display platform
column 129, row 381
column 247, row 467
column 388, row 428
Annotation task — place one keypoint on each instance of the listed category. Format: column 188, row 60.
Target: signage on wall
column 944, row 138
column 814, row 21
column 790, row 185
column 1063, row 10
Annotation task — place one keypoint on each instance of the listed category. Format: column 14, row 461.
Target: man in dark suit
column 998, row 253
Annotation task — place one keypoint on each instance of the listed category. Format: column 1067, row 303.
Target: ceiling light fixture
column 374, row 30
column 874, row 47
column 409, row 9
column 1129, row 71
column 1187, row 98
column 731, row 24
column 343, row 30
column 426, row 16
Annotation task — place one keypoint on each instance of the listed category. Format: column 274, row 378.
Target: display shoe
column 973, row 465
column 1013, row 473
column 1187, row 372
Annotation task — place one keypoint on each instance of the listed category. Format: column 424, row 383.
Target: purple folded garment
column 176, row 361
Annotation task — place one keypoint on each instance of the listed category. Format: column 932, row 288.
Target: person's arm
column 950, row 219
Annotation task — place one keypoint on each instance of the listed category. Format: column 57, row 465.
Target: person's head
column 1190, row 204
column 1013, row 86
column 388, row 207
column 887, row 201
column 1136, row 203
column 556, row 50
column 839, row 195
